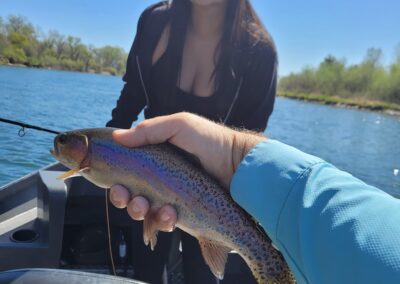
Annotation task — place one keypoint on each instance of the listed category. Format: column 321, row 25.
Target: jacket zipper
column 142, row 82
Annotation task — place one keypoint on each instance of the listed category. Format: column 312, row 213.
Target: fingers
column 138, row 208
column 151, row 131
column 164, row 218
column 119, row 196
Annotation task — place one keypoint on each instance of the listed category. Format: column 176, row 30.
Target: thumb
column 126, row 137
column 151, row 131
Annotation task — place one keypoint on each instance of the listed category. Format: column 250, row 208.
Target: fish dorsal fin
column 149, row 229
column 215, row 256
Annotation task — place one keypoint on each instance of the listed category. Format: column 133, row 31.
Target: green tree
column 15, row 55
column 113, row 57
column 18, row 40
column 21, row 43
column 73, row 47
column 59, row 42
column 393, row 93
column 2, row 26
column 373, row 57
column 18, row 24
column 304, row 81
column 356, row 80
column 3, row 41
column 329, row 75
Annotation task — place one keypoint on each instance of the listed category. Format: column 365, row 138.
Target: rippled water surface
column 367, row 144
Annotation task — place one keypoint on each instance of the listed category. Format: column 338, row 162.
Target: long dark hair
column 242, row 29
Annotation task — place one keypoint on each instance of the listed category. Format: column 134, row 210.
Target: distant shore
column 359, row 103
column 57, row 69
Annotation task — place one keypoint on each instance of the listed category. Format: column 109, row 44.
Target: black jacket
column 249, row 95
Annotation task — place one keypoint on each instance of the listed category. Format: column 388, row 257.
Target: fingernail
column 136, row 208
column 165, row 217
column 119, row 131
column 172, row 228
column 115, row 198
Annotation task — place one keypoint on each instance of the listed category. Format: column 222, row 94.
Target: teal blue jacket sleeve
column 330, row 226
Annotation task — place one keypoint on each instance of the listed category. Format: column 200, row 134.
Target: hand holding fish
column 147, row 161
column 201, row 205
column 219, row 149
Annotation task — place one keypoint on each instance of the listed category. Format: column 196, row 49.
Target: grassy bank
column 369, row 84
column 361, row 103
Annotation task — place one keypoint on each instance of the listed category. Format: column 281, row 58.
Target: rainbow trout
column 164, row 175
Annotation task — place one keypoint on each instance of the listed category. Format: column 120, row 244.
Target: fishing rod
column 22, row 132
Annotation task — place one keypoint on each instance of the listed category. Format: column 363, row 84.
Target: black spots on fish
column 216, row 203
column 271, row 270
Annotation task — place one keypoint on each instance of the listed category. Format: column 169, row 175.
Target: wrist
column 242, row 143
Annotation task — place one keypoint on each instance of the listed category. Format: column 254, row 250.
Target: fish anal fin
column 215, row 256
column 149, row 228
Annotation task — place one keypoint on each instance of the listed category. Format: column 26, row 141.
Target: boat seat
column 59, row 276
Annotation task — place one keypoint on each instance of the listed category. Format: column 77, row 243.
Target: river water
column 364, row 143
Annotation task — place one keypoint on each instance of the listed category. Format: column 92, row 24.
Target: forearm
column 330, row 226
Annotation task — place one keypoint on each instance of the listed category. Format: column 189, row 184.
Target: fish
column 164, row 174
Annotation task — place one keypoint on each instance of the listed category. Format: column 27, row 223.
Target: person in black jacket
column 209, row 57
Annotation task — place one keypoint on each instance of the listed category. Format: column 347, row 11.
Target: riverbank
column 57, row 69
column 359, row 103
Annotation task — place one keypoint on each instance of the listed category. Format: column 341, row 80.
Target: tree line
column 21, row 43
column 368, row 80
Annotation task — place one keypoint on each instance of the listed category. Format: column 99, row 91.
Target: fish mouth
column 53, row 153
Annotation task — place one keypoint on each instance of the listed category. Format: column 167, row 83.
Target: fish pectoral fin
column 149, row 229
column 215, row 256
column 69, row 174
column 85, row 169
column 73, row 173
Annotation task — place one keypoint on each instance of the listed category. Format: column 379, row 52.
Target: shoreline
column 356, row 102
column 19, row 65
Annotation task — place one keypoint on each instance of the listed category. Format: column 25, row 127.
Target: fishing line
column 109, row 234
column 23, row 125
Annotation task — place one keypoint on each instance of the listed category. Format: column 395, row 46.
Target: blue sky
column 304, row 31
